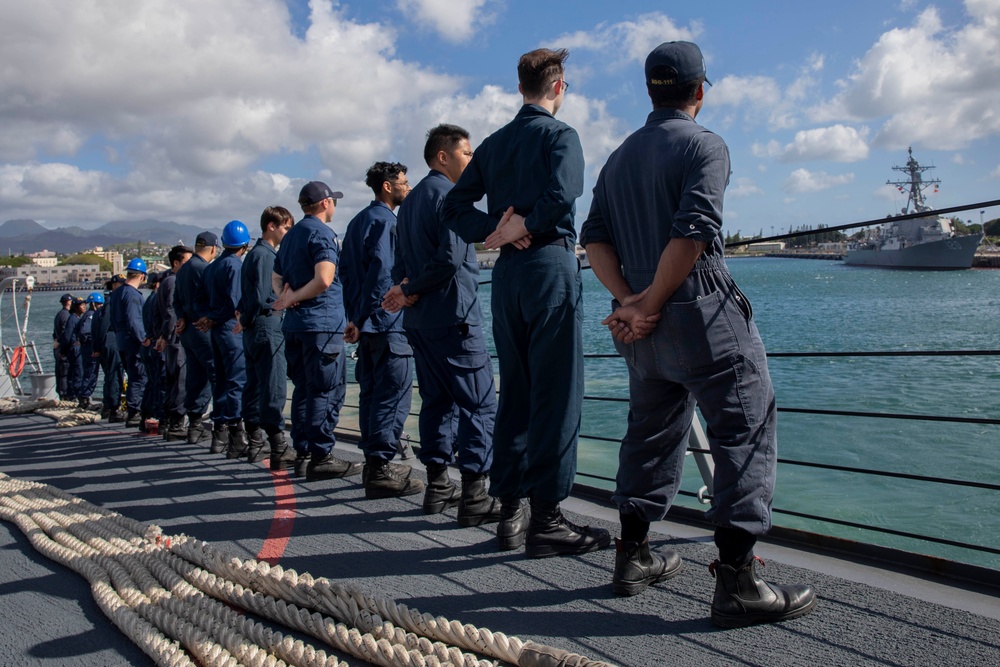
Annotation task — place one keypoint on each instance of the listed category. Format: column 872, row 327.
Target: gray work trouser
column 705, row 350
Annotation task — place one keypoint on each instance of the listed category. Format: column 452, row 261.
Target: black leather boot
column 282, row 454
column 175, row 429
column 382, row 481
column 132, row 419
column 258, row 448
column 742, row 598
column 551, row 534
column 441, row 492
column 636, row 567
column 399, row 469
column 476, row 507
column 328, row 466
column 238, row 445
column 514, row 519
column 220, row 439
column 301, row 464
column 196, row 431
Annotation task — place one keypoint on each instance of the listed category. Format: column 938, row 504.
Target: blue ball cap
column 66, row 298
column 206, row 240
column 673, row 63
column 314, row 192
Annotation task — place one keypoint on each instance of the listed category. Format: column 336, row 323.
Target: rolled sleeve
column 699, row 213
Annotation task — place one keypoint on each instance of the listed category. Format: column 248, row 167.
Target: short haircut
column 313, row 209
column 678, row 95
column 380, row 172
column 279, row 215
column 177, row 253
column 445, row 138
column 538, row 68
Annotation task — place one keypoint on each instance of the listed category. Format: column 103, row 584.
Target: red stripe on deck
column 284, row 517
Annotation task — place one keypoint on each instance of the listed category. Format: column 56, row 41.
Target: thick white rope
column 173, row 596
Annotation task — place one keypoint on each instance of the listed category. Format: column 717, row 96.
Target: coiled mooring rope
column 66, row 413
column 174, row 597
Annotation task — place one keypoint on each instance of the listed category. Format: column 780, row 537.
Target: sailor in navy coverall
column 531, row 171
column 169, row 344
column 126, row 321
column 106, row 347
column 654, row 238
column 437, row 280
column 152, row 398
column 266, row 386
column 58, row 329
column 85, row 333
column 69, row 345
column 308, row 287
column 222, row 281
column 384, row 368
column 190, row 305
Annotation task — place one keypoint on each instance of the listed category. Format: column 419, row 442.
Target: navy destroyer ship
column 915, row 243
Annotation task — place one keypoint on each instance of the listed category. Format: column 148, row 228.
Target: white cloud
column 196, row 124
column 769, row 150
column 762, row 100
column 935, row 86
column 629, row 41
column 456, row 21
column 743, row 187
column 838, row 143
column 803, row 180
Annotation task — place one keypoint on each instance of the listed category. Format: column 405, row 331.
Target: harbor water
column 805, row 305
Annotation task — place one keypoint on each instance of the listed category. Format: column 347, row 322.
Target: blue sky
column 201, row 112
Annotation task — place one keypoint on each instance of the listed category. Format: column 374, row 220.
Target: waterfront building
column 69, row 273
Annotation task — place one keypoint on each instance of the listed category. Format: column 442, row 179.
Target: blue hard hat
column 136, row 265
column 95, row 297
column 235, row 235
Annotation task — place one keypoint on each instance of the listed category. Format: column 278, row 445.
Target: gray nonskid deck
column 389, row 548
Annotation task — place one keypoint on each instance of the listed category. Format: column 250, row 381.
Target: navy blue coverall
column 126, row 321
column 535, row 164
column 667, row 181
column 384, row 368
column 445, row 327
column 69, row 345
column 106, row 345
column 84, row 333
column 174, row 360
column 58, row 328
column 314, row 337
column 266, row 388
column 222, row 280
column 152, row 398
column 190, row 305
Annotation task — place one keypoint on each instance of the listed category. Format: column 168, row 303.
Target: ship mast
column 915, row 184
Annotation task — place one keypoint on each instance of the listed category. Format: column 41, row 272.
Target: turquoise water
column 814, row 305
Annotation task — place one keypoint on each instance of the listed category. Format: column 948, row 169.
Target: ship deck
column 389, row 548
